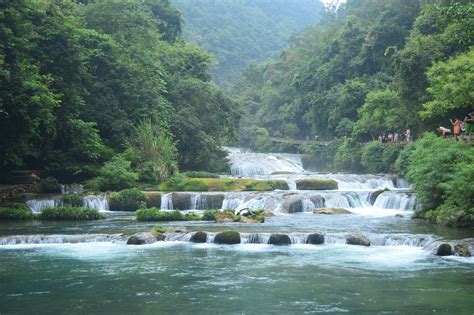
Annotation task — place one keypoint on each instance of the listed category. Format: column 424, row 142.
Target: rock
column 398, row 215
column 212, row 201
column 279, row 239
column 331, row 211
column 184, row 201
column 316, row 184
column 444, row 249
column 144, row 238
column 199, row 237
column 160, row 237
column 318, row 201
column 245, row 212
column 253, row 219
column 181, row 201
column 227, row 237
column 153, row 199
column 357, row 239
column 224, row 217
column 373, row 196
column 315, row 239
column 462, row 250
column 293, row 204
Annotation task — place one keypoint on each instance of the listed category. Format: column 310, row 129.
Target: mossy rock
column 331, row 211
column 225, row 217
column 227, row 237
column 315, row 239
column 199, row 237
column 282, row 173
column 279, row 239
column 279, row 184
column 316, row 184
column 357, row 239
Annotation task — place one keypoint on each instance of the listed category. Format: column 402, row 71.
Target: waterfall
column 395, row 200
column 167, row 202
column 37, row 205
column 72, row 189
column 252, row 164
column 198, row 202
column 60, row 239
column 98, row 202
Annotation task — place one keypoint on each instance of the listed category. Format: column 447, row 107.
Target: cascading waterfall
column 395, row 200
column 99, row 202
column 72, row 189
column 37, row 205
column 167, row 202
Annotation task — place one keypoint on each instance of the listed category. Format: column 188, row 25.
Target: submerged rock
column 227, row 237
column 398, row 215
column 199, row 237
column 331, row 211
column 357, row 239
column 444, row 249
column 144, row 238
column 279, row 239
column 462, row 250
column 315, row 239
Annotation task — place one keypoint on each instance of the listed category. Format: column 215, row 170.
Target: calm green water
column 178, row 277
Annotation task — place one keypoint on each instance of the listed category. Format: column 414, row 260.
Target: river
column 67, row 267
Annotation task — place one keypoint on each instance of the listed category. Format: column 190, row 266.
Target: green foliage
column 201, row 174
column 158, row 229
column 372, row 157
column 74, row 200
column 209, row 215
column 441, row 173
column 451, row 85
column 220, row 184
column 116, row 175
column 155, row 214
column 70, row 213
column 128, row 200
column 348, row 156
column 15, row 211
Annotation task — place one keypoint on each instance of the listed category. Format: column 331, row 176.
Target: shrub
column 116, row 175
column 70, row 213
column 316, row 184
column 209, row 215
column 389, row 157
column 128, row 200
column 158, row 229
column 74, row 200
column 15, row 211
column 371, row 158
column 348, row 156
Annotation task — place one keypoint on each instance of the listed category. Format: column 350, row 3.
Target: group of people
column 396, row 137
column 460, row 127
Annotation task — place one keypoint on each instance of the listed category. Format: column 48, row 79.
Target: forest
column 86, row 84
column 239, row 33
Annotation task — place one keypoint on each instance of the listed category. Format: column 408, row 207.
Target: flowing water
column 70, row 267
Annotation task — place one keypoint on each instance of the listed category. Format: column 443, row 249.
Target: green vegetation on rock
column 70, row 213
column 222, row 184
column 15, row 211
column 128, row 200
column 155, row 214
column 316, row 184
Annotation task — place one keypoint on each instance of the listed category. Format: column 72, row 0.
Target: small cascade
column 37, row 205
column 98, row 202
column 198, row 202
column 60, row 239
column 167, row 201
column 395, row 200
column 72, row 189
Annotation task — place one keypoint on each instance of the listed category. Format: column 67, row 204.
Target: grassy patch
column 15, row 211
column 155, row 214
column 70, row 213
column 316, row 184
column 223, row 184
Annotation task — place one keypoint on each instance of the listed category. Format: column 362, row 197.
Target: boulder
column 444, row 249
column 398, row 215
column 199, row 237
column 315, row 239
column 144, row 238
column 213, row 201
column 331, row 211
column 357, row 239
column 227, row 237
column 293, row 204
column 462, row 250
column 373, row 196
column 181, row 201
column 316, row 184
column 279, row 239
